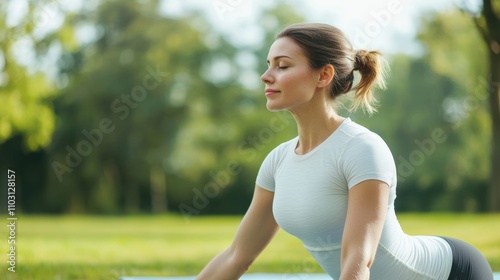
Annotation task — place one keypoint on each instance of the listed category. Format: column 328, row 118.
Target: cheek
column 291, row 76
column 298, row 79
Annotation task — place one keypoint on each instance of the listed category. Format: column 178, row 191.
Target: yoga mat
column 259, row 276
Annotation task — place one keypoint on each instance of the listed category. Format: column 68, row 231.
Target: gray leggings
column 468, row 262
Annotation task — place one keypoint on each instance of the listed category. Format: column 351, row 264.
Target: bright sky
column 386, row 25
column 389, row 25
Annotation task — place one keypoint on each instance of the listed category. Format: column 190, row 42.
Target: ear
column 326, row 75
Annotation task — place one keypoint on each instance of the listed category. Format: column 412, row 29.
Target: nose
column 267, row 78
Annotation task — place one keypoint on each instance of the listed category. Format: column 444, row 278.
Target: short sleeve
column 367, row 157
column 270, row 165
column 265, row 177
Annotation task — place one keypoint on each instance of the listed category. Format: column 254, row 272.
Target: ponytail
column 372, row 67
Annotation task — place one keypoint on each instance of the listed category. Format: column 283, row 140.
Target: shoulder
column 360, row 137
column 367, row 156
column 267, row 171
column 352, row 139
column 365, row 148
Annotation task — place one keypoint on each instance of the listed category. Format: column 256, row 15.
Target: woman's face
column 290, row 82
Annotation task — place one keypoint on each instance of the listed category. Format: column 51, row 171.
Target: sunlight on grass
column 82, row 247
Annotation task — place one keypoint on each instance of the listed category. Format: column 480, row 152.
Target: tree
column 450, row 43
column 24, row 94
column 487, row 22
column 128, row 93
column 27, row 118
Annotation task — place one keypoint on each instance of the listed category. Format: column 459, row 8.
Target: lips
column 271, row 92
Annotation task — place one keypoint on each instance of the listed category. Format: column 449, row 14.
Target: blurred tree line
column 161, row 113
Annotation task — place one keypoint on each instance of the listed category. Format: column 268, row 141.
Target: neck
column 315, row 123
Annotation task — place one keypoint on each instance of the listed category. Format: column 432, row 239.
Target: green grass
column 82, row 247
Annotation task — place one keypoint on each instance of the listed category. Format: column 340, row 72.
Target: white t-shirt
column 310, row 202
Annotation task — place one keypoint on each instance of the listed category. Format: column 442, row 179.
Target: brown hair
column 324, row 44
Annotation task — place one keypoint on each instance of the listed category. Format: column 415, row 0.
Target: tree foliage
column 153, row 113
column 24, row 93
column 486, row 18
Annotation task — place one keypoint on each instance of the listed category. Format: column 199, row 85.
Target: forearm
column 254, row 233
column 223, row 267
column 355, row 269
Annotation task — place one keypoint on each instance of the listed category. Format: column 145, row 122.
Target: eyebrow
column 280, row 56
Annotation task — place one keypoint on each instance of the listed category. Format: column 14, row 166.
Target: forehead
column 285, row 47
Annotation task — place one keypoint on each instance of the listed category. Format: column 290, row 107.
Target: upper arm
column 366, row 211
column 257, row 227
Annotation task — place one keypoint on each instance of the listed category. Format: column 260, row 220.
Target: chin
column 273, row 107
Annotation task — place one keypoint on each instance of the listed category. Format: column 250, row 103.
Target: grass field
column 82, row 247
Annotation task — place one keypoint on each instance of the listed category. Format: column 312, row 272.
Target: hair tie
column 358, row 60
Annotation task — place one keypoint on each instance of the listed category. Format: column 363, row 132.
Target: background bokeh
column 122, row 107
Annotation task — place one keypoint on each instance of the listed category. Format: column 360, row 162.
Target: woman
column 334, row 185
